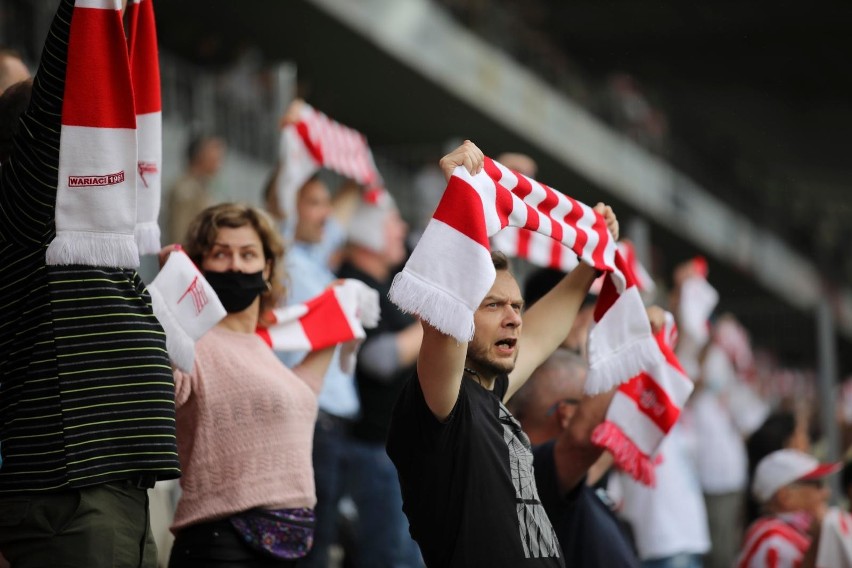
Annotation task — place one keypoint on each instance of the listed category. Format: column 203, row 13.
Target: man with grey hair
column 559, row 419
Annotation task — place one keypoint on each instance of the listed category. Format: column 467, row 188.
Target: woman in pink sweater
column 245, row 422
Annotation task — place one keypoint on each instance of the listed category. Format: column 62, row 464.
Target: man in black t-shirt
column 464, row 464
column 559, row 419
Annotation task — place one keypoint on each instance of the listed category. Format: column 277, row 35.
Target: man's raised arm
column 440, row 365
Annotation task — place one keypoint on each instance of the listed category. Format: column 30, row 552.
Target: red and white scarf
column 835, row 541
column 338, row 315
column 698, row 299
column 99, row 214
column 534, row 247
column 145, row 72
column 186, row 306
column 96, row 192
column 450, row 270
column 644, row 409
column 543, row 251
column 316, row 141
column 643, row 278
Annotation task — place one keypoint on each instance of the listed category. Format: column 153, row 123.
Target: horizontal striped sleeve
column 118, row 388
column 30, row 409
column 29, row 179
column 86, row 388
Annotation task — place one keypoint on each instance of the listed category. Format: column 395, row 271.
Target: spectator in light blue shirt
column 316, row 234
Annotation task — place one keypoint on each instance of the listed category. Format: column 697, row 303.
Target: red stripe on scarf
column 325, row 323
column 625, row 453
column 603, row 238
column 546, row 207
column 533, row 219
column 455, row 210
column 504, row 204
column 556, row 253
column 523, row 188
column 571, row 219
column 548, row 203
column 491, row 169
column 97, row 80
column 305, row 135
column 144, row 58
column 652, row 400
column 131, row 13
column 667, row 352
column 524, row 242
column 264, row 335
column 609, row 294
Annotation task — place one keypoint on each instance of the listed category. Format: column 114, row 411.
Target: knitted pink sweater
column 245, row 428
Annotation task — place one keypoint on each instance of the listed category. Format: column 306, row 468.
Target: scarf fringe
column 437, row 307
column 620, row 366
column 148, row 237
column 93, row 249
column 179, row 344
column 624, row 452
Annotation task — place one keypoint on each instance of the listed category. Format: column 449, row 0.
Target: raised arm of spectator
column 440, row 364
column 314, row 366
column 30, row 170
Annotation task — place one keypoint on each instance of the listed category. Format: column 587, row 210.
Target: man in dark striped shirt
column 86, row 386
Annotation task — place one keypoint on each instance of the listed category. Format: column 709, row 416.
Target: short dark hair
column 9, row 52
column 196, row 144
column 500, row 260
column 540, row 282
column 846, row 476
column 13, row 102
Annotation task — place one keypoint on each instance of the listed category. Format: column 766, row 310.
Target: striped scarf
column 450, row 271
column 545, row 252
column 338, row 316
column 185, row 305
column 145, row 71
column 316, row 141
column 99, row 157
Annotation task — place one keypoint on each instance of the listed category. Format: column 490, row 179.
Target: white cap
column 367, row 225
column 783, row 467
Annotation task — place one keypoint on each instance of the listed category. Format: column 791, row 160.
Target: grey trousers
column 725, row 520
column 103, row 526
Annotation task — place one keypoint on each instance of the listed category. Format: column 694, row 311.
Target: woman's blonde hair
column 203, row 230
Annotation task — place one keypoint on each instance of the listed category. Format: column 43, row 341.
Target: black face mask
column 236, row 290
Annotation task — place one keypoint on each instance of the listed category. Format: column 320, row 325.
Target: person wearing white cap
column 790, row 485
column 375, row 250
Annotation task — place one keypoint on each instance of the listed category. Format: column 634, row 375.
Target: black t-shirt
column 588, row 531
column 468, row 485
